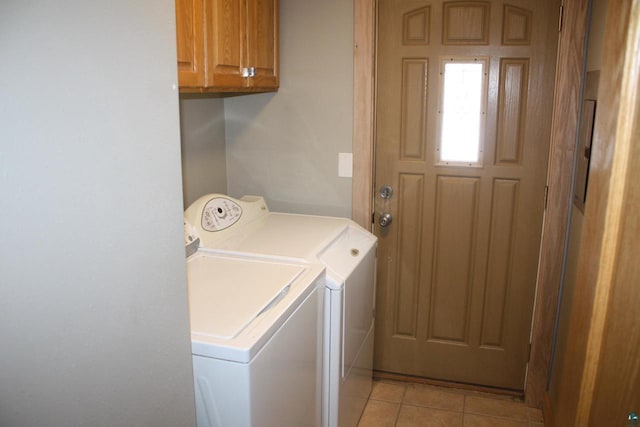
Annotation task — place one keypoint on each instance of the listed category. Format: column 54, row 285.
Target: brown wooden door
column 190, row 43
column 262, row 48
column 457, row 266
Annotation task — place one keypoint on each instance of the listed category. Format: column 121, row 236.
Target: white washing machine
column 256, row 331
column 241, row 227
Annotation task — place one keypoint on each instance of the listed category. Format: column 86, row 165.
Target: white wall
column 93, row 310
column 285, row 145
column 204, row 165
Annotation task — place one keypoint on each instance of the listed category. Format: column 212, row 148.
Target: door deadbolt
column 386, row 191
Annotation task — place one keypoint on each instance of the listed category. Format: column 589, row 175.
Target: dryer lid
column 227, row 294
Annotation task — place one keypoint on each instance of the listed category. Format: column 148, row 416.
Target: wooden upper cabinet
column 263, row 42
column 226, row 39
column 239, row 45
column 190, row 42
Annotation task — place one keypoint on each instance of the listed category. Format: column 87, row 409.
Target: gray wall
column 285, row 145
column 204, row 165
column 93, row 307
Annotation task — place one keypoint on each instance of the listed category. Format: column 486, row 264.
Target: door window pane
column 463, row 87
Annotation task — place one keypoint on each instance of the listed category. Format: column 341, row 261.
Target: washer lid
column 282, row 235
column 226, row 294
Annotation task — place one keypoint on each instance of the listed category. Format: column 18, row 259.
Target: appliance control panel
column 220, row 213
column 216, row 217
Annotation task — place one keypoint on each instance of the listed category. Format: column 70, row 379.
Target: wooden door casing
column 599, row 383
column 457, row 268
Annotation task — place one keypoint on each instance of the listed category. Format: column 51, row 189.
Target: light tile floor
column 399, row 404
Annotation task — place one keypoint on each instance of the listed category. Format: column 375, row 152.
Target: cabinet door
column 262, row 17
column 226, row 37
column 190, row 43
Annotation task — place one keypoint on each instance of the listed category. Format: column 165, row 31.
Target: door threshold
column 382, row 375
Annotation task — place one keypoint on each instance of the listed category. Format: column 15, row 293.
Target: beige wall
column 202, row 131
column 285, row 145
column 594, row 62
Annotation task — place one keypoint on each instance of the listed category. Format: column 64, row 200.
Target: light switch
column 345, row 165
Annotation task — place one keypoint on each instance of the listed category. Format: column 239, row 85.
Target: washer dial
column 220, row 213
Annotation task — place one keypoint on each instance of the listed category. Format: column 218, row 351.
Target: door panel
column 501, row 233
column 411, row 190
column 465, row 23
column 457, row 267
column 512, row 104
column 454, row 251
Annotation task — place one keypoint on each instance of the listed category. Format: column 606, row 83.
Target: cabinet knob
column 248, row 72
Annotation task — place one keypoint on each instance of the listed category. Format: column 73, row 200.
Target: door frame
column 564, row 130
column 602, row 267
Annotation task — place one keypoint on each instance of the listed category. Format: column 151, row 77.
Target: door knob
column 386, row 219
column 633, row 418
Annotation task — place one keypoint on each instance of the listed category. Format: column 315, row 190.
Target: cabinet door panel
column 262, row 16
column 226, row 37
column 190, row 43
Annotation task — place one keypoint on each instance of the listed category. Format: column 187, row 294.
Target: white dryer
column 256, row 331
column 245, row 226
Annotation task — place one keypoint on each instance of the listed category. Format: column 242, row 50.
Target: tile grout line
column 395, row 421
column 464, row 408
column 435, row 408
column 404, row 393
